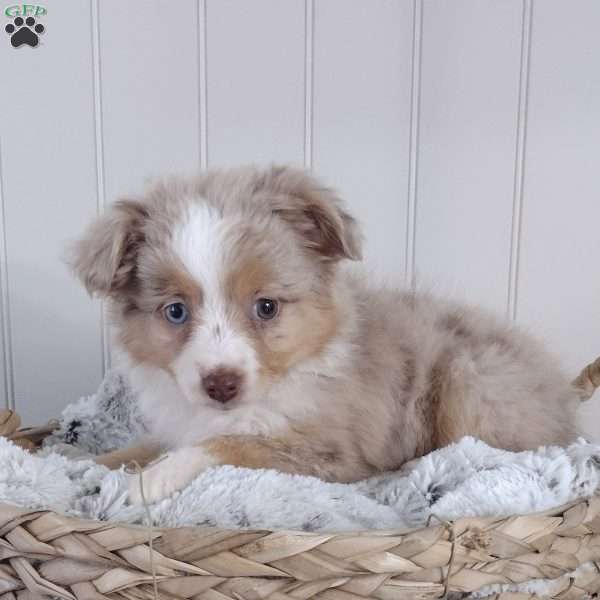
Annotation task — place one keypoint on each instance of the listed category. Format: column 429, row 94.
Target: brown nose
column 222, row 385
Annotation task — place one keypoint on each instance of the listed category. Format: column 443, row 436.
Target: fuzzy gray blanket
column 466, row 479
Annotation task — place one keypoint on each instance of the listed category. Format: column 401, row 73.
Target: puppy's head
column 223, row 281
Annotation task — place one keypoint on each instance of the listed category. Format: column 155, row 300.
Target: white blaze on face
column 199, row 242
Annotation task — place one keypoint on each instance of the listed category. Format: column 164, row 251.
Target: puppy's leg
column 142, row 454
column 294, row 454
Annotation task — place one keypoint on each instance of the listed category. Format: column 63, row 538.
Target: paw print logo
column 24, row 32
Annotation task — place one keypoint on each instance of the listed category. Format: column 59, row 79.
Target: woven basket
column 45, row 554
column 49, row 554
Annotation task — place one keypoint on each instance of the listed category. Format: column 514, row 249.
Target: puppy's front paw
column 168, row 475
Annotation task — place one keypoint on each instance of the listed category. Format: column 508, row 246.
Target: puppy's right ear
column 104, row 259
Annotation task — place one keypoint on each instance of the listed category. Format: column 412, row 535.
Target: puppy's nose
column 222, row 385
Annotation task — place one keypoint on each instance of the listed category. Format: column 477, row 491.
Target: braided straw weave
column 43, row 554
column 49, row 554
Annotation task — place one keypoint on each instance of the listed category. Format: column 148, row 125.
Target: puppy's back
column 447, row 370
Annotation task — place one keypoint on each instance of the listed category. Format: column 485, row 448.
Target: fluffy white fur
column 200, row 242
column 180, row 423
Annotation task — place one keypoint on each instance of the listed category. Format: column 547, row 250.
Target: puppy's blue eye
column 266, row 308
column 176, row 313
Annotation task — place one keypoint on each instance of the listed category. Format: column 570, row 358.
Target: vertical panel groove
column 202, row 83
column 519, row 171
column 99, row 141
column 415, row 102
column 309, row 25
column 9, row 387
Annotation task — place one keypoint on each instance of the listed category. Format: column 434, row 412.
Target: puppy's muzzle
column 222, row 385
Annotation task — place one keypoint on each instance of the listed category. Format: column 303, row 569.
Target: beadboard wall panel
column 49, row 191
column 255, row 81
column 463, row 135
column 149, row 91
column 559, row 282
column 467, row 137
column 360, row 117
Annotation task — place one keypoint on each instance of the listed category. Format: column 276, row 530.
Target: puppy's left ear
column 314, row 212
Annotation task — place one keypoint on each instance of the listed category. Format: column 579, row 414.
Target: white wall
column 465, row 135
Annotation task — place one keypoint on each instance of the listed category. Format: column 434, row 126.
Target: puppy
column 249, row 345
